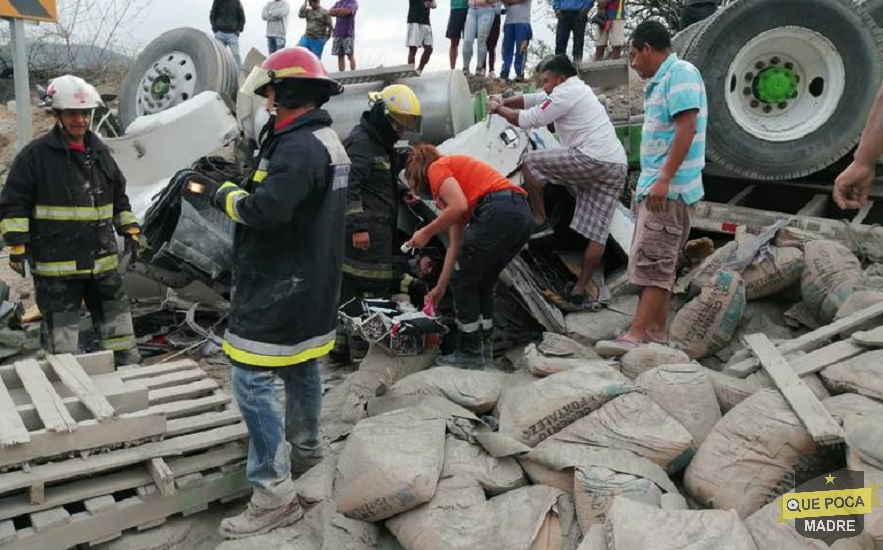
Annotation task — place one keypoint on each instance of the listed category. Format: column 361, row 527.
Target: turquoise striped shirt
column 677, row 87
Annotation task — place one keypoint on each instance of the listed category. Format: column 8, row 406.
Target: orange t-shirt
column 475, row 177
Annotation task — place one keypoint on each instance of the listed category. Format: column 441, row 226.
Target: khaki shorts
column 615, row 37
column 659, row 239
column 419, row 36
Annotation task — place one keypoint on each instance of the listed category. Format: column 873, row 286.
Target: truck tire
column 875, row 8
column 176, row 66
column 789, row 84
column 682, row 41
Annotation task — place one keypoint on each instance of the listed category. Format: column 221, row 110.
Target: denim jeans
column 275, row 43
column 283, row 437
column 478, row 27
column 231, row 40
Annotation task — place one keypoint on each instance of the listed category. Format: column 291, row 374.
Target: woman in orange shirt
column 488, row 221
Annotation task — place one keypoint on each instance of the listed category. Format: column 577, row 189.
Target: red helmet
column 290, row 64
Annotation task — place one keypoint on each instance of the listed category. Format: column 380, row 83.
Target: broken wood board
column 131, row 512
column 812, row 340
column 192, row 406
column 72, row 375
column 128, row 479
column 825, row 357
column 31, row 315
column 162, row 476
column 870, row 338
column 815, row 417
column 519, row 277
column 128, row 374
column 52, row 411
column 123, row 401
column 12, row 429
column 90, row 434
column 93, row 363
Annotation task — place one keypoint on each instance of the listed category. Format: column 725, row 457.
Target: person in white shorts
column 608, row 28
column 419, row 31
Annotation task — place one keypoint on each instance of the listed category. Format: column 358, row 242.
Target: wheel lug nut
column 774, row 61
column 767, row 109
column 794, row 95
column 796, row 78
column 754, row 104
column 749, row 76
column 759, row 65
column 789, row 65
column 746, row 91
column 783, row 105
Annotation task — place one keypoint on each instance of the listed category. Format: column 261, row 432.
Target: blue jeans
column 478, row 27
column 315, row 45
column 231, row 40
column 275, row 43
column 282, row 437
column 515, row 40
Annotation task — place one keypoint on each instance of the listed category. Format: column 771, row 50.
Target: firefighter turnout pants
column 59, row 300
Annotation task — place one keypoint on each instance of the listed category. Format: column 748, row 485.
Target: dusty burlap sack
column 847, row 405
column 533, row 412
column 458, row 517
column 546, row 365
column 635, row 526
column 468, row 461
column 767, row 533
column 649, row 356
column 686, row 393
column 558, row 345
column 864, row 436
column 860, row 375
column 477, row 391
column 594, row 489
column 730, row 390
column 709, row 321
column 795, row 237
column 632, row 422
column 832, row 273
column 773, row 272
column 873, row 474
column 762, row 429
column 595, row 539
column 711, row 266
column 390, row 464
column 857, row 301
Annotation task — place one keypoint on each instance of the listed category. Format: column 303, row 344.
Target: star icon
column 829, row 479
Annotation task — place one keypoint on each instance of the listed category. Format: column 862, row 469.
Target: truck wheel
column 875, row 8
column 789, row 84
column 175, row 67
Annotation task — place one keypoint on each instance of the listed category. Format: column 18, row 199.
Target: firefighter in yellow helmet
column 373, row 196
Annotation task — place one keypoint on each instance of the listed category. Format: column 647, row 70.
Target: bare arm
column 455, row 233
column 852, row 187
column 456, row 206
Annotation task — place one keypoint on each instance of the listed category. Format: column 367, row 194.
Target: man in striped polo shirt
column 672, row 159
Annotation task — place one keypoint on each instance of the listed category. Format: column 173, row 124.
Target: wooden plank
column 37, row 493
column 70, row 469
column 100, row 504
column 825, row 357
column 171, row 379
column 871, row 338
column 812, row 340
column 90, row 435
column 131, row 513
column 12, row 429
column 192, row 406
column 7, row 532
column 179, row 393
column 45, row 399
column 818, row 421
column 127, row 374
column 123, row 400
column 78, row 382
column 162, row 476
column 49, row 519
column 131, row 478
column 93, row 363
column 190, row 424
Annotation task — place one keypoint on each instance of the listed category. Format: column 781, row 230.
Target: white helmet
column 72, row 92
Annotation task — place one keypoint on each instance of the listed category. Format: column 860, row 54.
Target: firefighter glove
column 135, row 243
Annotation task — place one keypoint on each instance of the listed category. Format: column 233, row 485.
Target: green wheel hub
column 161, row 86
column 776, row 85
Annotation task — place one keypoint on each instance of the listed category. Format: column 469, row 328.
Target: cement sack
column 862, row 375
column 795, row 237
column 390, row 464
column 709, row 321
column 546, row 365
column 495, row 475
column 783, row 536
column 533, row 412
column 761, row 430
column 704, row 275
column 558, row 345
column 477, row 391
column 832, row 273
column 731, row 390
column 686, row 393
column 857, row 301
column 874, row 520
column 594, row 489
column 649, row 356
column 632, row 422
column 523, row 519
column 864, row 435
column 773, row 272
column 595, row 539
column 636, row 526
column 847, row 405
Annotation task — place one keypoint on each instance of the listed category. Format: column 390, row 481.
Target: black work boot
column 468, row 356
column 487, row 339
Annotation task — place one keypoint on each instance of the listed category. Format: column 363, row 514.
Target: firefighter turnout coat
column 288, row 248
column 65, row 205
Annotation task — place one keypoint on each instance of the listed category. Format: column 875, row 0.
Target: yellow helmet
column 401, row 106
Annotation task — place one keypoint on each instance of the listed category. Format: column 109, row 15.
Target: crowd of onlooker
column 474, row 28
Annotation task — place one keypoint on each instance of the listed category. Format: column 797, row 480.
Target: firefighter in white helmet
column 62, row 206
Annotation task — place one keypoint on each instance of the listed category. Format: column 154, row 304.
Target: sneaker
column 257, row 521
column 616, row 348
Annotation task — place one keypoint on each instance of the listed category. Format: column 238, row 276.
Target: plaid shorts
column 343, row 45
column 596, row 185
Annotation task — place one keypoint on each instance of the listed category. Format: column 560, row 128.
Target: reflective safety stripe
column 233, row 197
column 261, row 354
column 380, row 271
column 121, row 343
column 125, row 218
column 68, row 268
column 259, row 176
column 469, row 327
column 405, row 284
column 487, row 324
column 73, row 213
column 15, row 225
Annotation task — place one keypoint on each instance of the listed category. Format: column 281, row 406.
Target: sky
column 380, row 28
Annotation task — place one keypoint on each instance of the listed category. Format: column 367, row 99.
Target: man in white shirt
column 276, row 15
column 592, row 161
